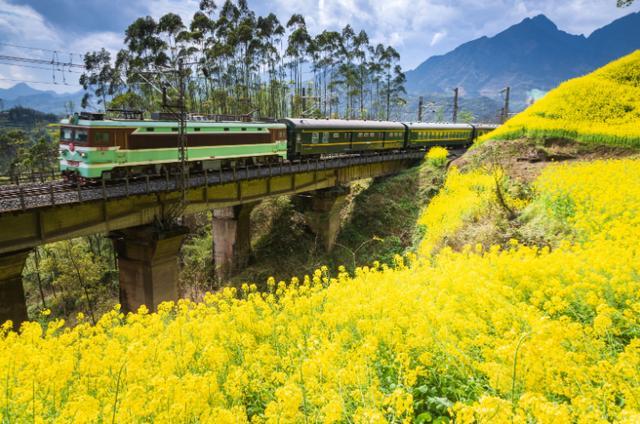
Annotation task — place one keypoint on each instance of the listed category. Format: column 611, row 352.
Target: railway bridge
column 130, row 211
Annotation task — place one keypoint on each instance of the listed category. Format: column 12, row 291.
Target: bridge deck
column 34, row 215
column 54, row 193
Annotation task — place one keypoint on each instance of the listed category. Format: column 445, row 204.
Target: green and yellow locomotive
column 93, row 146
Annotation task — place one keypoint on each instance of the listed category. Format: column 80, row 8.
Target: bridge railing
column 26, row 177
column 57, row 192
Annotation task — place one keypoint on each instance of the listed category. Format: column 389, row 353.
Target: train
column 97, row 146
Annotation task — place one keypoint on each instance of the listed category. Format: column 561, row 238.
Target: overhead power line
column 36, row 67
column 36, row 82
column 41, row 61
column 40, row 49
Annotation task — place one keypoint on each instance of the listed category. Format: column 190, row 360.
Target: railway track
column 35, row 188
column 51, row 193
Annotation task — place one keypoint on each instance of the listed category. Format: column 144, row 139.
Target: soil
column 524, row 159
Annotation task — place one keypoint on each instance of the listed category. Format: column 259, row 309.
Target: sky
column 418, row 29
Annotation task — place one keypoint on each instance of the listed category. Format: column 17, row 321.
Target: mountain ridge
column 48, row 101
column 532, row 54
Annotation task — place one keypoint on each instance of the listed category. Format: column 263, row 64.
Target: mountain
column 19, row 90
column 45, row 101
column 531, row 55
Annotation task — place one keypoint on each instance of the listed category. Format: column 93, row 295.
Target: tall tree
column 100, row 79
column 298, row 44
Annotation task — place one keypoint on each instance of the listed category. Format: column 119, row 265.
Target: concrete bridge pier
column 148, row 264
column 13, row 305
column 231, row 231
column 321, row 209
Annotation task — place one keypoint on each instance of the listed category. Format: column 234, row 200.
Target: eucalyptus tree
column 361, row 50
column 298, row 43
column 145, row 51
column 242, row 62
column 100, row 78
column 393, row 77
column 270, row 31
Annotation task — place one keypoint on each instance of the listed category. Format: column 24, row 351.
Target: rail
column 52, row 193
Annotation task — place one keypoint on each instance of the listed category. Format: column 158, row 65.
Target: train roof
column 486, row 126
column 346, row 124
column 148, row 123
column 437, row 126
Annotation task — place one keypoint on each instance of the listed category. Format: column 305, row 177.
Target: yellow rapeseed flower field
column 601, row 107
column 510, row 334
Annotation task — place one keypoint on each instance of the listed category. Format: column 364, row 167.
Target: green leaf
column 425, row 417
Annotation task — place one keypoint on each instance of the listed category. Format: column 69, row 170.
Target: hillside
column 602, row 107
column 21, row 117
column 521, row 304
column 533, row 54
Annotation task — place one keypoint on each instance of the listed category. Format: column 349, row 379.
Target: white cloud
column 22, row 22
column 416, row 28
column 437, row 37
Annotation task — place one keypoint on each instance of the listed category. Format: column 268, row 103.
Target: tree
column 297, row 47
column 241, row 62
column 466, row 116
column 100, row 79
column 624, row 3
column 394, row 79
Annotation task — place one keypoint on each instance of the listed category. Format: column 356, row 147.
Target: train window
column 226, row 129
column 315, row 137
column 298, row 137
column 197, row 129
column 81, row 135
column 66, row 134
column 243, row 129
column 101, row 138
column 174, row 129
column 150, row 129
column 335, row 135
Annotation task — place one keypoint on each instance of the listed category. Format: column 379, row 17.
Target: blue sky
column 416, row 28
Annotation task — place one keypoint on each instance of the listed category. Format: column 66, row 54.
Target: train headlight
column 83, row 154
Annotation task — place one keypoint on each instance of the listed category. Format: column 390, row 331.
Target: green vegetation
column 25, row 118
column 379, row 222
column 27, row 144
column 72, row 276
column 248, row 64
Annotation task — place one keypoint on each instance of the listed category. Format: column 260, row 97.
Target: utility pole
column 179, row 112
column 455, row 105
column 505, row 108
column 304, row 99
column 420, row 104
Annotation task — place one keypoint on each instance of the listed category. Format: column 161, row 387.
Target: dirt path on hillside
column 524, row 159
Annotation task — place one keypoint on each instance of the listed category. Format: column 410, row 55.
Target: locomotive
column 93, row 146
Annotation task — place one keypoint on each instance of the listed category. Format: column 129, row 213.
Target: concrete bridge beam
column 148, row 264
column 231, row 231
column 322, row 209
column 13, row 305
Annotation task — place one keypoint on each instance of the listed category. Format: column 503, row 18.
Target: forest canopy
column 239, row 63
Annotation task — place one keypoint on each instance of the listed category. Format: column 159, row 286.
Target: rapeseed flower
column 514, row 333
